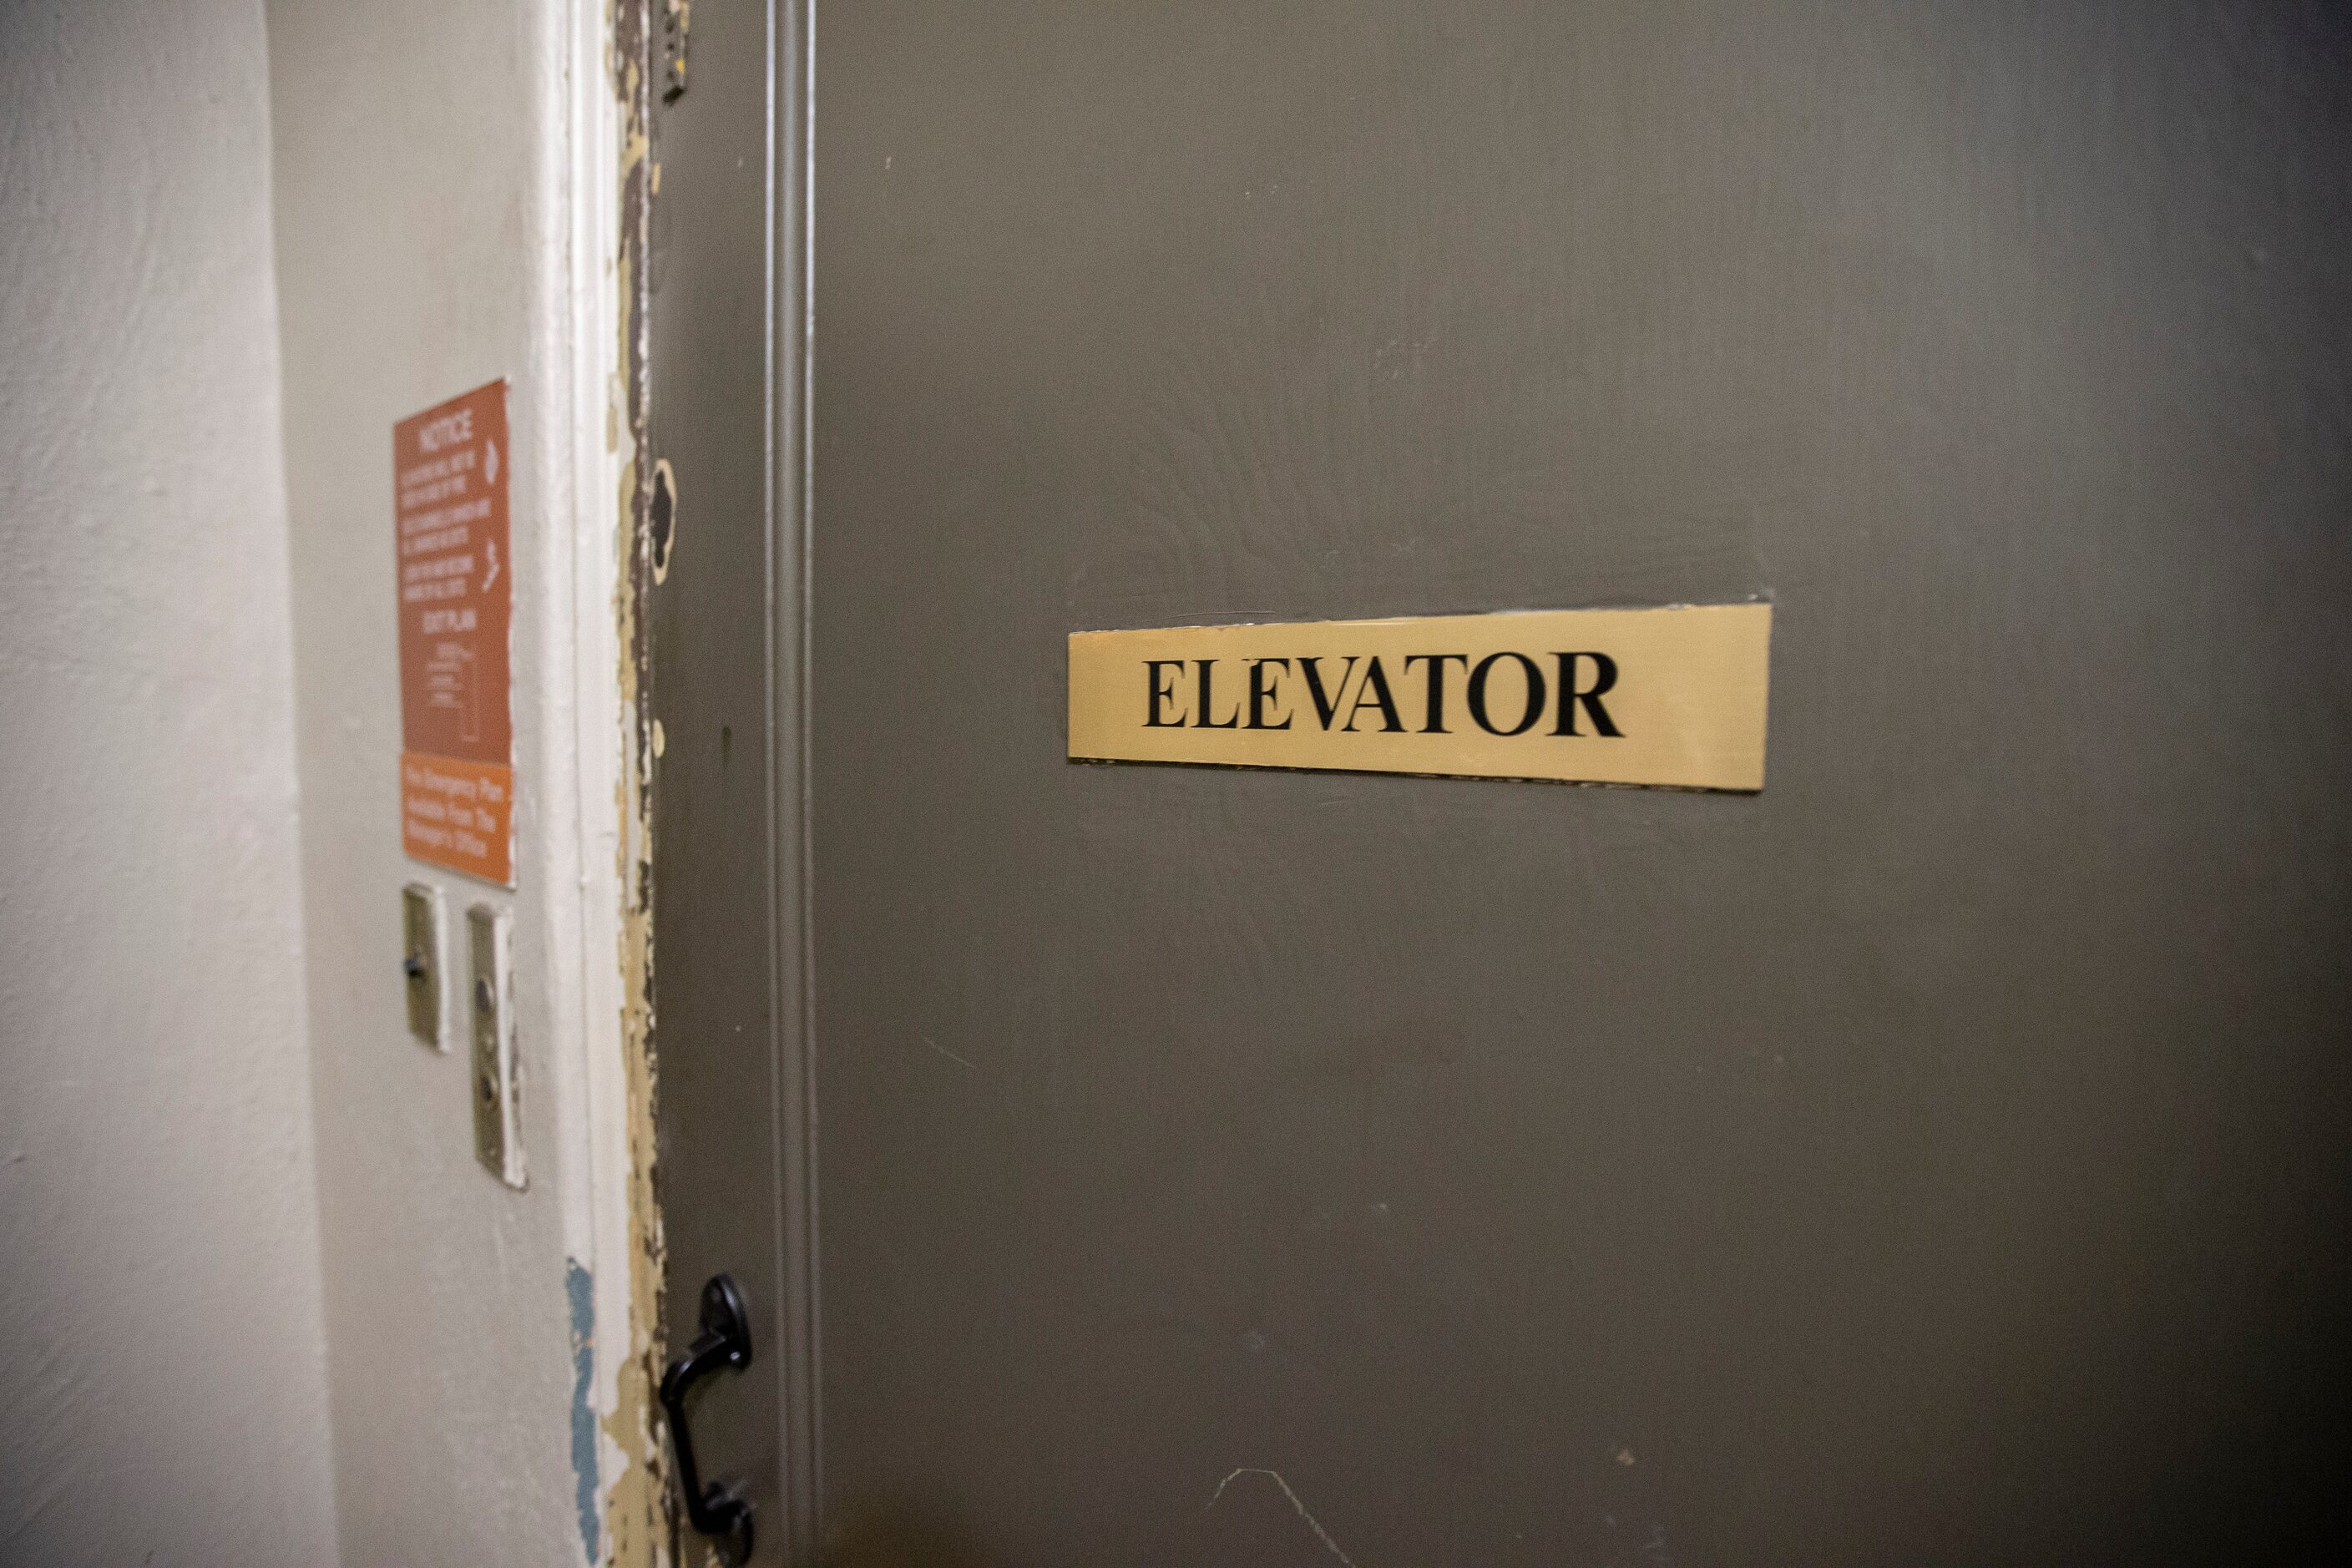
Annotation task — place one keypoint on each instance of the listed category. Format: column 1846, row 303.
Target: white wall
column 438, row 170
column 163, row 1383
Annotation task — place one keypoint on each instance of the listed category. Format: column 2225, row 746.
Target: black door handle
column 712, row 1507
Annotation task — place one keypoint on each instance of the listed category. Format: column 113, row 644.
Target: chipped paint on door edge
column 640, row 1529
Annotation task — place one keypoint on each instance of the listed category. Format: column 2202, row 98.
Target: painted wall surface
column 429, row 241
column 162, row 1355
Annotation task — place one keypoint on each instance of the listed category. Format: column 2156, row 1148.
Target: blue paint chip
column 579, row 1286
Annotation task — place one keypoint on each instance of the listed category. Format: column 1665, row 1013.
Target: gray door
column 1940, row 1157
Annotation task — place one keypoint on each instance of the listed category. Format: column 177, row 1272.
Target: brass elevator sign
column 1669, row 697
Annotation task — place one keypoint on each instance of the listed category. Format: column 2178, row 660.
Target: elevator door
column 1938, row 1156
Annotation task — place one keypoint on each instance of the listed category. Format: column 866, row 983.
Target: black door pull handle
column 711, row 1507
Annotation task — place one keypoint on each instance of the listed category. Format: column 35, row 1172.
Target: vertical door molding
column 791, row 338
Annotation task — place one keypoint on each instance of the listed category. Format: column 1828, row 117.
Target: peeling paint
column 677, row 24
column 638, row 1514
column 579, row 1288
column 661, row 514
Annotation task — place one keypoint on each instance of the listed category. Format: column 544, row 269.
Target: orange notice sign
column 456, row 604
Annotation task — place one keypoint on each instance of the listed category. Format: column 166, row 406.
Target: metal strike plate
column 498, row 1142
column 420, row 920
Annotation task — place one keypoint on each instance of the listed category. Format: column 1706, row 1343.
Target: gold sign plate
column 1669, row 697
